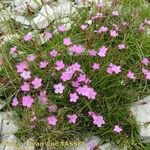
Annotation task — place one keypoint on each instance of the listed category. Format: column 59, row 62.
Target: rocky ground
column 42, row 14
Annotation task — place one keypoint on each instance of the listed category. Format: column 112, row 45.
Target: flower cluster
column 72, row 79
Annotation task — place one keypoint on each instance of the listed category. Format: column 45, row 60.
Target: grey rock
column 141, row 111
column 7, row 125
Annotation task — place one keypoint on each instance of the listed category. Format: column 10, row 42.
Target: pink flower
column 146, row 21
column 52, row 120
column 59, row 65
column 145, row 71
column 31, row 58
column 77, row 49
column 112, row 68
column 131, row 75
column 67, row 41
column 145, row 61
column 27, row 37
column 98, row 120
column 100, row 5
column 86, row 91
column 25, row 87
column 121, row 46
column 102, row 51
column 59, row 88
column 13, row 49
column 91, row 144
column 115, row 13
column 53, row 53
column 43, row 97
column 84, row 26
column 67, row 75
column 113, row 33
column 147, row 75
column 96, row 66
column 102, row 29
column 72, row 118
column 61, row 28
column 43, row 64
column 52, row 108
column 21, row 66
column 48, row 35
column 74, row 97
column 75, row 67
column 83, row 78
column 15, row 102
column 97, row 16
column 27, row 101
column 92, row 52
column 91, row 113
column 37, row 82
column 26, row 75
column 117, row 129
column 75, row 84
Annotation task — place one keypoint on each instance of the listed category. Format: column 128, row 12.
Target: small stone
column 108, row 146
column 1, row 105
column 141, row 111
column 7, row 125
column 5, row 14
column 40, row 22
column 11, row 142
column 21, row 19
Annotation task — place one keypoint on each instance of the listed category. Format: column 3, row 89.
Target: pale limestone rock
column 8, row 126
column 40, row 22
column 148, row 31
column 108, row 146
column 11, row 143
column 7, row 37
column 2, row 104
column 64, row 9
column 141, row 111
column 24, row 3
column 5, row 14
column 21, row 19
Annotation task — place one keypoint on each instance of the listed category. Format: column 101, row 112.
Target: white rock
column 8, row 37
column 40, row 22
column 86, row 2
column 1, row 5
column 25, row 3
column 89, row 22
column 5, row 14
column 141, row 111
column 11, row 143
column 8, row 126
column 108, row 146
column 21, row 19
column 1, row 105
column 64, row 9
column 148, row 31
column 47, row 11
